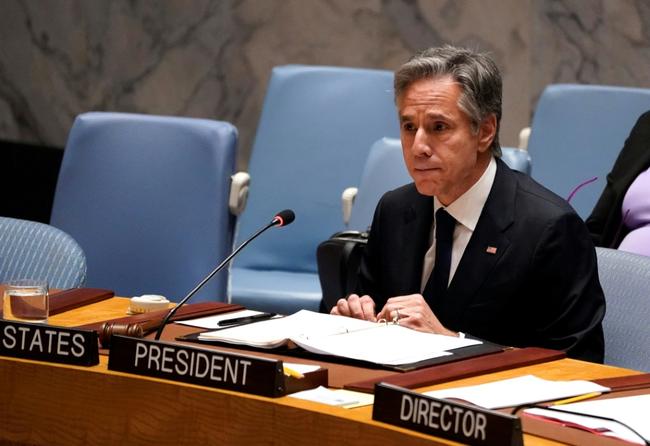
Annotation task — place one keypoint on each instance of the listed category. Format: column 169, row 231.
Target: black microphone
column 282, row 218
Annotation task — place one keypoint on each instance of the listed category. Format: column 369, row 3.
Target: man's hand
column 358, row 307
column 413, row 312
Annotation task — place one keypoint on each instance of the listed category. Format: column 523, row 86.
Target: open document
column 379, row 343
column 632, row 411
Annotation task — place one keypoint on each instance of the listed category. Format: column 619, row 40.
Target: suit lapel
column 414, row 239
column 486, row 246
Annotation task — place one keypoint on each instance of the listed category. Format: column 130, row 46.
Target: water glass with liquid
column 26, row 300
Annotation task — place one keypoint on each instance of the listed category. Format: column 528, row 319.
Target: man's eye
column 439, row 126
column 408, row 126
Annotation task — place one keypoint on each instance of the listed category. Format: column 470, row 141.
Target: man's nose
column 421, row 144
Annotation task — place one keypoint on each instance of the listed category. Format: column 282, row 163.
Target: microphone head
column 284, row 218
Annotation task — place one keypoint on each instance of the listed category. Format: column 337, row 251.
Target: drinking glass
column 26, row 300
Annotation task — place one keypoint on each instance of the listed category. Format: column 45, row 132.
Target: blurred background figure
column 621, row 217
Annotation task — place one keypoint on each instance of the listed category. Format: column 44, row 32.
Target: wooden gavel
column 135, row 330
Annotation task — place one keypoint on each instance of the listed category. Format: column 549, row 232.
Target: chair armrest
column 347, row 201
column 524, row 136
column 238, row 192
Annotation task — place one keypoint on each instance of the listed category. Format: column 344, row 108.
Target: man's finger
column 388, row 311
column 354, row 303
column 341, row 308
column 368, row 308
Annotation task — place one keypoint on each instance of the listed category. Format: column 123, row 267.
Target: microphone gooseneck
column 282, row 218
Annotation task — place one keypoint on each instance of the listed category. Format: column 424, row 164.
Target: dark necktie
column 436, row 287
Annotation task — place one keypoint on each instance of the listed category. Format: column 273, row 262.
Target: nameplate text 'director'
column 43, row 342
column 445, row 419
column 195, row 365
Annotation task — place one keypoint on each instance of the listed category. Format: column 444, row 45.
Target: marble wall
column 212, row 58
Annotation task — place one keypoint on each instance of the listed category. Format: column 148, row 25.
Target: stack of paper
column 516, row 391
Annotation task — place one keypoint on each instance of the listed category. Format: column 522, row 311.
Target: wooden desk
column 49, row 404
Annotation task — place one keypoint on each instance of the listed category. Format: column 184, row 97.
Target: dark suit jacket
column 604, row 223
column 540, row 288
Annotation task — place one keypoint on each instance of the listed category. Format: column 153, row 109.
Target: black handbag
column 339, row 259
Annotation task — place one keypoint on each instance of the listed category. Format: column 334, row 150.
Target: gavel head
column 108, row 329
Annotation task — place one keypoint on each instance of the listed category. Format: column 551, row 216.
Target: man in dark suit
column 504, row 259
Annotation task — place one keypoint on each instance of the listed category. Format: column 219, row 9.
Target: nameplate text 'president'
column 445, row 419
column 201, row 366
column 42, row 342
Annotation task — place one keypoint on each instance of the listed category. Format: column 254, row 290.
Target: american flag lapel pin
column 491, row 250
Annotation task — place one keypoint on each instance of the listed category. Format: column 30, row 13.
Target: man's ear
column 487, row 132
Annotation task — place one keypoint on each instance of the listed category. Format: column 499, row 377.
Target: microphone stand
column 274, row 222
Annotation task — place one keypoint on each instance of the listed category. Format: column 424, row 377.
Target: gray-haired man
column 504, row 259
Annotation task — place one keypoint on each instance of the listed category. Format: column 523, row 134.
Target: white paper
column 515, row 391
column 342, row 336
column 212, row 322
column 326, row 396
column 276, row 332
column 384, row 344
column 361, row 399
column 630, row 410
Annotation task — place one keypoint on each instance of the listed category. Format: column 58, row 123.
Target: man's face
column 443, row 154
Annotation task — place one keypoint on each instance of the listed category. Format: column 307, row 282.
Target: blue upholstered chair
column 517, row 159
column 31, row 250
column 625, row 278
column 313, row 137
column 576, row 135
column 384, row 170
column 147, row 199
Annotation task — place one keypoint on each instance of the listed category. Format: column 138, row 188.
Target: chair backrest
column 577, row 133
column 625, row 278
column 315, row 130
column 31, row 250
column 147, row 199
column 517, row 159
column 385, row 170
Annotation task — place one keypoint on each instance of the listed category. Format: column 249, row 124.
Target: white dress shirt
column 466, row 209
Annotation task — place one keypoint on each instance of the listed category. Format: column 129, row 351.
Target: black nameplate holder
column 49, row 343
column 207, row 367
column 445, row 419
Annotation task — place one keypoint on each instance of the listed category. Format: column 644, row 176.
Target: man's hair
column 477, row 74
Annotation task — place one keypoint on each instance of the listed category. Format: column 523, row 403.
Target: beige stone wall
column 212, row 58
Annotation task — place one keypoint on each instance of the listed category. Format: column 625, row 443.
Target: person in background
column 621, row 217
column 504, row 259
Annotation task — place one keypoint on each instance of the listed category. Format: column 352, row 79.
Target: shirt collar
column 467, row 208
